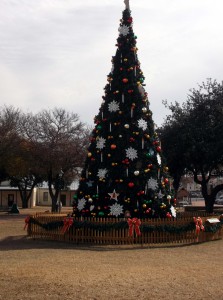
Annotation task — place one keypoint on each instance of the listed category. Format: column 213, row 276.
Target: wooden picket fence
column 85, row 235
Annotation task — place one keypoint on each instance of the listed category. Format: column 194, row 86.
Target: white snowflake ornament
column 142, row 124
column 131, row 153
column 152, row 184
column 102, row 173
column 100, row 143
column 113, row 106
column 116, row 209
column 81, row 204
column 124, row 30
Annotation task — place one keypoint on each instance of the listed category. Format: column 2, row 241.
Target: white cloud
column 58, row 53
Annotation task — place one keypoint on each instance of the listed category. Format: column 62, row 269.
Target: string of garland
column 47, row 226
column 123, row 225
column 213, row 227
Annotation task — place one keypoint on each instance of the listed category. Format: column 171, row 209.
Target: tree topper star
column 114, row 195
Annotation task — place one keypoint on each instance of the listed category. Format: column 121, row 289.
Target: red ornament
column 166, row 180
column 132, row 139
column 125, row 161
column 130, row 91
column 131, row 184
column 140, row 193
column 129, row 20
column 113, row 146
column 158, row 149
column 168, row 215
column 125, row 80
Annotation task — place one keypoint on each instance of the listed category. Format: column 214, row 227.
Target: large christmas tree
column 123, row 173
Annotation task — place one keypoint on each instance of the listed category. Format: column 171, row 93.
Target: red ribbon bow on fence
column 67, row 223
column 134, row 225
column 27, row 219
column 199, row 225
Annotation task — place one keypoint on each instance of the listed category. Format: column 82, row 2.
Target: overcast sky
column 57, row 53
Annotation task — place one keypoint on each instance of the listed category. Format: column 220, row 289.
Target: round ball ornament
column 131, row 184
column 168, row 215
column 113, row 146
column 166, row 180
column 144, row 109
column 89, row 154
column 126, row 126
column 125, row 80
column 136, row 173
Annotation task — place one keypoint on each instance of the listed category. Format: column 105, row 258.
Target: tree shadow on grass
column 22, row 242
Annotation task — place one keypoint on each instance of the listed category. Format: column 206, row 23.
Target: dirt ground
column 40, row 270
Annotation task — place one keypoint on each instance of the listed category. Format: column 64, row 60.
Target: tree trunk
column 209, row 204
column 54, row 196
column 24, row 197
column 209, row 199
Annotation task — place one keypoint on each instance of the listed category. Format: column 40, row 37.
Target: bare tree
column 9, row 133
column 16, row 160
column 59, row 142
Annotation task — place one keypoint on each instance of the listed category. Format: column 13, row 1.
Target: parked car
column 219, row 200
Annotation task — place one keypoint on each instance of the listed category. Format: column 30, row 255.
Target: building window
column 45, row 196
